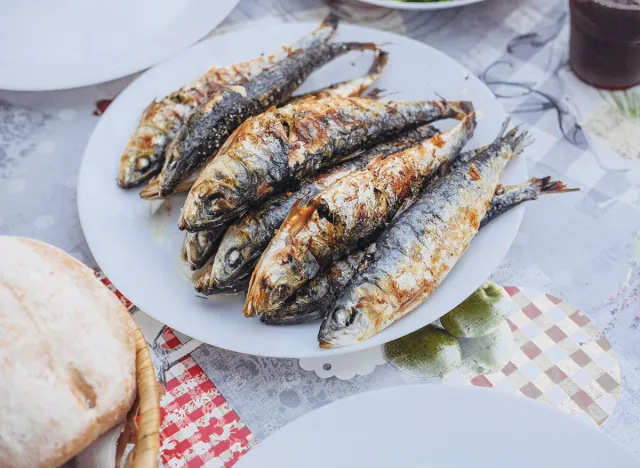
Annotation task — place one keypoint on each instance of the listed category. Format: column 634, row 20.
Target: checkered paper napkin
column 562, row 358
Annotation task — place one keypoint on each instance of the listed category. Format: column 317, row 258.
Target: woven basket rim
column 147, row 445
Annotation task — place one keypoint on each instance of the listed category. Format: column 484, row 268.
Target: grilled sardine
column 270, row 152
column 415, row 253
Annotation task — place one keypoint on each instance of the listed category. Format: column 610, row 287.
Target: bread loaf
column 67, row 356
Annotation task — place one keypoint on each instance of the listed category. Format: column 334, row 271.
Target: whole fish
column 160, row 121
column 350, row 88
column 314, row 300
column 270, row 152
column 246, row 239
column 345, row 215
column 415, row 253
column 208, row 127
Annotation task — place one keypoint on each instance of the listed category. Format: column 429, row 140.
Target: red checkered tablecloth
column 199, row 428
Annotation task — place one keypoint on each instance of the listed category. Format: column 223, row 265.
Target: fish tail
column 518, row 141
column 358, row 46
column 455, row 109
column 504, row 127
column 379, row 62
column 469, row 121
column 330, row 21
column 547, row 186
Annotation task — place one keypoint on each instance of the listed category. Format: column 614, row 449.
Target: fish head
column 135, row 168
column 210, row 202
column 277, row 278
column 346, row 324
column 237, row 254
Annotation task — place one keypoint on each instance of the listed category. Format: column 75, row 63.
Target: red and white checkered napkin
column 198, row 427
column 562, row 358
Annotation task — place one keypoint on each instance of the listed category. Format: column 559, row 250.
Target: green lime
column 480, row 313
column 428, row 352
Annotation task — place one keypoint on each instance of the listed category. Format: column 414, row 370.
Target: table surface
column 582, row 247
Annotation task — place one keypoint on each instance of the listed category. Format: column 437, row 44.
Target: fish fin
column 298, row 216
column 151, row 191
column 520, row 142
column 248, row 309
column 547, row 186
column 376, row 159
column 204, row 283
column 375, row 94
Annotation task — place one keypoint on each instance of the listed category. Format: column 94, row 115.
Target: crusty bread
column 67, row 356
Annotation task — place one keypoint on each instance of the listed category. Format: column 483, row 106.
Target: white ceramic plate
column 68, row 43
column 420, row 5
column 441, row 427
column 139, row 252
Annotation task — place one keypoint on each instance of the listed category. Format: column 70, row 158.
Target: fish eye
column 142, row 163
column 234, row 258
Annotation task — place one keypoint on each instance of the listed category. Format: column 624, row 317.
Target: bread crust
column 67, row 356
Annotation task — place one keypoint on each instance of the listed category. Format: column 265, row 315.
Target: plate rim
column 435, row 393
column 190, row 36
column 516, row 214
column 421, row 6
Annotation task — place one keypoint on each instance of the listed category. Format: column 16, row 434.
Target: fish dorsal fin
column 298, row 216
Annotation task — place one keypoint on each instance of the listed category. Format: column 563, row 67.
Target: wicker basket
column 143, row 421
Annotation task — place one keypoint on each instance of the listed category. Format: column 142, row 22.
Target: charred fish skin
column 274, row 150
column 208, row 127
column 418, row 249
column 143, row 156
column 315, row 299
column 347, row 214
column 200, row 246
column 352, row 88
column 247, row 238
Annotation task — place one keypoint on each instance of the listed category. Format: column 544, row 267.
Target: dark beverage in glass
column 604, row 48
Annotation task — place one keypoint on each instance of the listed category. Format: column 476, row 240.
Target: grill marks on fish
column 346, row 214
column 208, row 127
column 246, row 239
column 270, row 152
column 419, row 248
